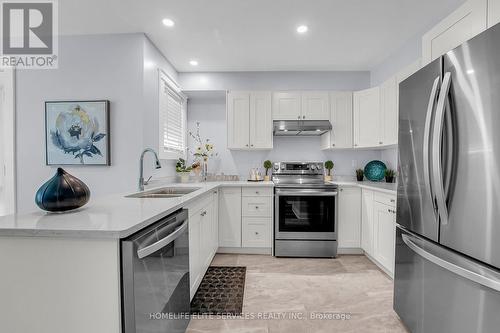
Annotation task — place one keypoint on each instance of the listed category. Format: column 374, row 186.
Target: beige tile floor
column 349, row 285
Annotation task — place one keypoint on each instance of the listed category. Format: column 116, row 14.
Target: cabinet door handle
column 246, row 145
column 392, row 200
column 303, row 117
column 298, row 117
column 203, row 213
column 333, row 144
column 251, row 145
column 256, row 207
column 256, row 233
column 380, row 142
column 256, row 192
column 341, row 190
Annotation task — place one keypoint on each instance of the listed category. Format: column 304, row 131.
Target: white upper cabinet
column 238, row 116
column 366, row 109
column 249, row 120
column 315, row 106
column 341, row 119
column 467, row 21
column 261, row 122
column 389, row 115
column 493, row 12
column 286, row 105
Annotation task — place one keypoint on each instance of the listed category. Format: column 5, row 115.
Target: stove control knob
column 313, row 167
column 276, row 166
column 320, row 166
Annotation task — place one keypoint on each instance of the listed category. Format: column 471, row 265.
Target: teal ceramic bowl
column 375, row 171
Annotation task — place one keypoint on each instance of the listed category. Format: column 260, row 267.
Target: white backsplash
column 211, row 113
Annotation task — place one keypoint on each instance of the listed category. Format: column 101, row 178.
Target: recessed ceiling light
column 302, row 29
column 193, row 63
column 168, row 22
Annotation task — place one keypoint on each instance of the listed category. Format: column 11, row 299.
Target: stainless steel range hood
column 301, row 127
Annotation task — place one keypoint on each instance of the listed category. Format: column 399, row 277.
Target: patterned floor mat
column 220, row 292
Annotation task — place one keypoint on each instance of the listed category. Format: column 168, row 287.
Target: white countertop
column 115, row 216
column 390, row 188
column 112, row 217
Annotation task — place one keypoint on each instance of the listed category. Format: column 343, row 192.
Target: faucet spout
column 141, row 166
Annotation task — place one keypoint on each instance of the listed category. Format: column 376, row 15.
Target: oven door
column 305, row 214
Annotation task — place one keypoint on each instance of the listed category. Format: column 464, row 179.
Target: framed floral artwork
column 77, row 133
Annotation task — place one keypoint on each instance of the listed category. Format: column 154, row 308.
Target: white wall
column 153, row 61
column 211, row 113
column 90, row 67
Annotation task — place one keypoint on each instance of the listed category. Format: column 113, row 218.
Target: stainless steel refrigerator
column 447, row 274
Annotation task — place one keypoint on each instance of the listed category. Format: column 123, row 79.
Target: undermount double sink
column 164, row 192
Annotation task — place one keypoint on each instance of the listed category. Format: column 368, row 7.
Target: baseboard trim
column 349, row 250
column 379, row 265
column 245, row 250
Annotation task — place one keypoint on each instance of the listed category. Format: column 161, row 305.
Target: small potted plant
column 328, row 166
column 359, row 175
column 183, row 170
column 389, row 175
column 267, row 165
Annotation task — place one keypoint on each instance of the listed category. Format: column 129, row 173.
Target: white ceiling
column 259, row 35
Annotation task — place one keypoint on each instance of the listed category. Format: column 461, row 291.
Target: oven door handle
column 142, row 253
column 315, row 194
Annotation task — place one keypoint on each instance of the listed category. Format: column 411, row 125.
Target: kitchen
column 308, row 248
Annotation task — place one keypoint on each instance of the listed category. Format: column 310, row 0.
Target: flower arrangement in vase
column 204, row 150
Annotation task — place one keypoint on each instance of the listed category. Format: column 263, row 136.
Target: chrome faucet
column 141, row 167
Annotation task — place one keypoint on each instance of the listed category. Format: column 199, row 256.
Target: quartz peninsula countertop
column 109, row 217
column 390, row 188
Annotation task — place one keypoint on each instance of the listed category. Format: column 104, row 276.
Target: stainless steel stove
column 305, row 220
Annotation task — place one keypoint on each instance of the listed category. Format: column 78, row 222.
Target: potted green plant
column 329, row 166
column 360, row 173
column 389, row 175
column 183, row 170
column 267, row 165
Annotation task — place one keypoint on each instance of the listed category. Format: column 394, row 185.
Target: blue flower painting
column 77, row 133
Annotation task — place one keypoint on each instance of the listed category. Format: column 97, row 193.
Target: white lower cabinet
column 203, row 234
column 230, row 217
column 384, row 228
column 367, row 221
column 256, row 232
column 349, row 219
column 378, row 231
column 257, row 212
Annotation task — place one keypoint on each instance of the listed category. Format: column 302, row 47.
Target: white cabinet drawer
column 256, row 232
column 385, row 199
column 256, row 206
column 257, row 191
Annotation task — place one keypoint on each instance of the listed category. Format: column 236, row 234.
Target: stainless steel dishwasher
column 155, row 277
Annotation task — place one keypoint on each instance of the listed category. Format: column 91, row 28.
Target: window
column 172, row 116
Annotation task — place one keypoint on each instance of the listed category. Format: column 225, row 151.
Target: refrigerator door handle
column 427, row 137
column 458, row 265
column 437, row 138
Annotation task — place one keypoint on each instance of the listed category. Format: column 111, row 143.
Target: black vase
column 389, row 179
column 62, row 192
column 359, row 178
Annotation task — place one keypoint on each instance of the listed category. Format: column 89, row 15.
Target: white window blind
column 172, row 119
